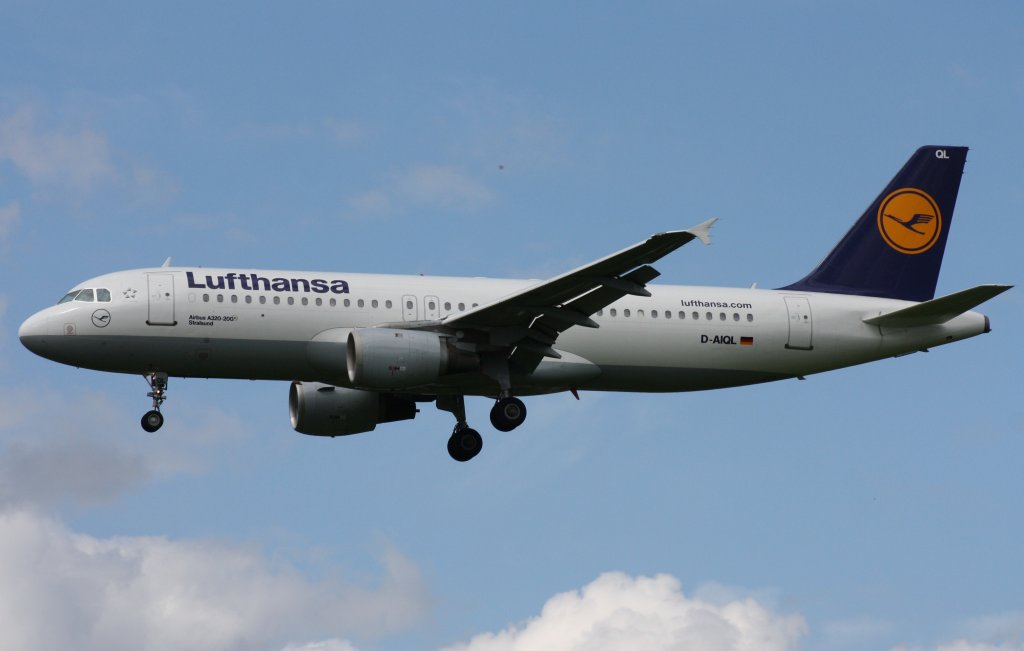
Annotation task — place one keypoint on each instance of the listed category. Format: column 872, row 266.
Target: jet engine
column 386, row 358
column 325, row 410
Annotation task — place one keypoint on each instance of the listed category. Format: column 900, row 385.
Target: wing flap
column 938, row 310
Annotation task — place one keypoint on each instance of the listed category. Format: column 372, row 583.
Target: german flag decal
column 746, row 341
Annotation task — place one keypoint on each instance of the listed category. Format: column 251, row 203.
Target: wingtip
column 703, row 231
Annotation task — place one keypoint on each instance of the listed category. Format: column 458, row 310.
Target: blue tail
column 895, row 249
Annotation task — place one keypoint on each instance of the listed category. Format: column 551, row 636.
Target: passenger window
column 721, row 316
column 103, row 295
column 750, row 318
column 206, row 298
column 248, row 298
column 360, row 303
column 613, row 312
column 431, row 305
column 348, row 303
column 654, row 314
column 220, row 298
column 682, row 315
column 447, row 306
column 263, row 300
column 319, row 302
column 234, row 298
column 600, row 313
column 374, row 304
column 408, row 305
column 305, row 301
column 387, row 304
column 639, row 314
column 277, row 300
column 735, row 316
column 709, row 316
column 334, row 302
column 291, row 300
column 462, row 307
column 668, row 314
column 625, row 313
column 85, row 296
column 696, row 316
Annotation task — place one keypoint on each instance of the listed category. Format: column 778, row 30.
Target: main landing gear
column 153, row 420
column 465, row 442
column 508, row 414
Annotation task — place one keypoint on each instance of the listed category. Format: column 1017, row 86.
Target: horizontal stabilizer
column 938, row 310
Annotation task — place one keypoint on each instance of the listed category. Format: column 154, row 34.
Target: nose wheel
column 153, row 420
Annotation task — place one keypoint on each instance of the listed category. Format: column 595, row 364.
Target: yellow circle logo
column 909, row 221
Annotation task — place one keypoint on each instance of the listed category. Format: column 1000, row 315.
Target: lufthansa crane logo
column 909, row 220
column 100, row 318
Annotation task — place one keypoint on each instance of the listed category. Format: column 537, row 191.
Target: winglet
column 703, row 231
column 166, row 263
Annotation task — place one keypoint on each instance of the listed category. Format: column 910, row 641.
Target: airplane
column 362, row 350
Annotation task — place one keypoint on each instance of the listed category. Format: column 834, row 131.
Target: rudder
column 895, row 249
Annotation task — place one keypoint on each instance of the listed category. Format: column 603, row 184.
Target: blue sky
column 875, row 507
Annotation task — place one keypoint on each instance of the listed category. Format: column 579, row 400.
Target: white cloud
column 344, row 133
column 76, row 160
column 442, row 187
column 9, row 216
column 64, row 590
column 617, row 611
column 83, row 470
column 1000, row 632
column 90, row 451
column 79, row 159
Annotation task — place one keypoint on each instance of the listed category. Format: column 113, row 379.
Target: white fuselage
column 274, row 325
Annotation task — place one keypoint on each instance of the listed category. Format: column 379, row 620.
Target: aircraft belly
column 186, row 356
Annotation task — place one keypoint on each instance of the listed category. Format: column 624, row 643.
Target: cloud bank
column 620, row 612
column 64, row 590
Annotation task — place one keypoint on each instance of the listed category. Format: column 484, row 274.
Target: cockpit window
column 103, row 295
column 86, row 296
column 70, row 296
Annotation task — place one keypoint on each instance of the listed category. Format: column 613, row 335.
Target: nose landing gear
column 153, row 420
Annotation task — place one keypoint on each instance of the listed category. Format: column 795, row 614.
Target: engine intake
column 386, row 358
column 325, row 410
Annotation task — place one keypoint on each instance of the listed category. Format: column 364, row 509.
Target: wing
column 528, row 322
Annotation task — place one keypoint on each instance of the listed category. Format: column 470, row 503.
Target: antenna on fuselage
column 167, row 262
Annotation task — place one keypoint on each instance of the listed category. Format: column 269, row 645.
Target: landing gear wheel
column 508, row 414
column 464, row 444
column 152, row 421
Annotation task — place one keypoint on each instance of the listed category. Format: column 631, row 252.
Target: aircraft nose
column 32, row 332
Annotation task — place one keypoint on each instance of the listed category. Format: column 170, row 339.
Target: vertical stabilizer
column 895, row 249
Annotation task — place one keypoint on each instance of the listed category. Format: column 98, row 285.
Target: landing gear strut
column 465, row 442
column 153, row 420
column 507, row 414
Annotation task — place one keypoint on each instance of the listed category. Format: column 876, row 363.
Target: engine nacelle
column 325, row 410
column 386, row 358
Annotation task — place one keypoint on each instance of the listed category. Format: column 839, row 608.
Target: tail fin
column 895, row 249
